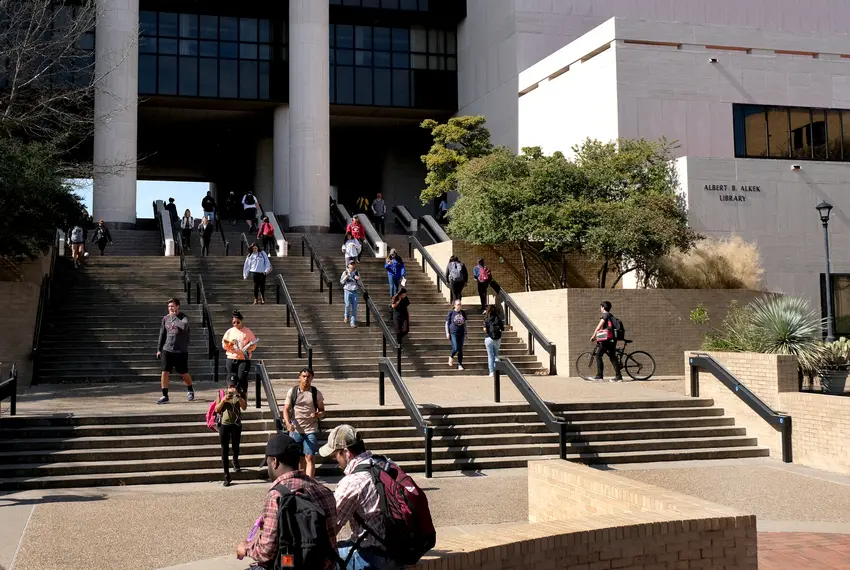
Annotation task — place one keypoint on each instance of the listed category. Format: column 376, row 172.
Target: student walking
column 231, row 208
column 494, row 326
column 230, row 428
column 400, row 314
column 482, row 276
column 349, row 281
column 266, row 234
column 303, row 503
column 187, row 224
column 357, row 231
column 443, row 211
column 77, row 240
column 249, row 207
column 456, row 332
column 208, row 206
column 172, row 210
column 302, row 410
column 205, row 230
column 239, row 344
column 363, row 205
column 173, row 349
column 351, row 248
column 379, row 212
column 457, row 276
column 258, row 265
column 395, row 272
column 101, row 236
column 604, row 335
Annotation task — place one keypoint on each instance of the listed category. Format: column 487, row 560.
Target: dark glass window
column 833, row 135
column 147, row 74
column 778, row 136
column 168, row 25
column 167, row 80
column 188, row 76
column 345, row 85
column 208, row 78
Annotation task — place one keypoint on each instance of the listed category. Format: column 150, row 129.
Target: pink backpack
column 214, row 419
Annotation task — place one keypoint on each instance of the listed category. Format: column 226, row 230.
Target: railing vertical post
column 302, row 248
column 497, row 386
column 259, row 395
column 204, row 318
column 310, row 358
column 368, row 325
column 530, row 343
column 198, row 295
column 216, row 364
column 287, row 316
column 553, row 361
column 384, row 339
column 330, row 294
column 787, row 445
column 562, row 440
column 694, row 380
column 381, row 394
column 299, row 346
column 409, row 249
column 428, row 436
column 398, row 358
column 311, row 263
column 321, row 284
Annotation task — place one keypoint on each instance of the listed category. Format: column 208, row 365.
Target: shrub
column 773, row 325
column 727, row 263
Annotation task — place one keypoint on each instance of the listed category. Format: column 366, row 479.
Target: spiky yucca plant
column 788, row 325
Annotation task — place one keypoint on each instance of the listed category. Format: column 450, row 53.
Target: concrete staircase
column 105, row 321
column 130, row 242
column 178, row 447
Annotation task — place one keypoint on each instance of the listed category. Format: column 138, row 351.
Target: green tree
column 455, row 144
column 34, row 199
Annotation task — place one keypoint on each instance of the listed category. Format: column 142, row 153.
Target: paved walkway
column 782, row 551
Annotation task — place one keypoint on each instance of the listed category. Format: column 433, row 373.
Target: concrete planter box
column 833, row 381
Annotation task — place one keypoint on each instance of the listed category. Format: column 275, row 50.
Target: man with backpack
column 249, row 205
column 607, row 333
column 208, row 205
column 482, row 276
column 389, row 515
column 298, row 526
column 77, row 240
column 457, row 276
column 302, row 410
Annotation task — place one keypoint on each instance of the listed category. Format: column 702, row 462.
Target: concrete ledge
column 584, row 518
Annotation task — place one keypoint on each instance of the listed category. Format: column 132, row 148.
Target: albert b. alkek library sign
column 731, row 192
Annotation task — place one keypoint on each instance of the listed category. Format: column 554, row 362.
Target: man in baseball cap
column 341, row 438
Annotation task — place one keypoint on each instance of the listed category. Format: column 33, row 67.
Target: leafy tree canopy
column 455, row 144
column 33, row 198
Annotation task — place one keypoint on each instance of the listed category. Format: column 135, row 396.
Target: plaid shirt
column 356, row 493
column 264, row 547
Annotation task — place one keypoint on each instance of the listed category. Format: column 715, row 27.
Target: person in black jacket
column 232, row 208
column 401, row 317
column 493, row 328
column 206, row 230
column 101, row 236
column 208, row 206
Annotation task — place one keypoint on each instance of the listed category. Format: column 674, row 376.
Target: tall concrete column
column 282, row 195
column 116, row 111
column 264, row 173
column 309, row 115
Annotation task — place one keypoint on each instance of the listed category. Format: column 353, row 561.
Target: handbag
column 603, row 335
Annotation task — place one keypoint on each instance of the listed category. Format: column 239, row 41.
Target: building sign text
column 732, row 192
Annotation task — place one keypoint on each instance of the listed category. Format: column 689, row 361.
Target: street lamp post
column 824, row 209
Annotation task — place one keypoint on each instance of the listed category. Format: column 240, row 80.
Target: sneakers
column 190, row 396
column 598, row 378
column 492, row 374
column 226, row 482
column 162, row 400
column 345, row 320
column 451, row 361
column 616, row 379
column 460, row 367
column 236, row 466
column 354, row 325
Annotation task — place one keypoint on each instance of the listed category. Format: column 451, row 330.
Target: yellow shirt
column 238, row 338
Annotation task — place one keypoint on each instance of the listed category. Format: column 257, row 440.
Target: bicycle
column 639, row 365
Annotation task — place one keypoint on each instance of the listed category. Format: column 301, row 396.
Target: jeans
column 351, row 306
column 457, row 346
column 608, row 347
column 457, row 290
column 232, row 434
column 395, row 285
column 237, row 371
column 210, row 216
column 492, row 352
column 365, row 558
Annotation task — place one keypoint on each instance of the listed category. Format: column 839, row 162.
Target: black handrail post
column 399, row 358
column 530, row 343
column 553, row 362
column 287, row 315
column 381, row 395
column 259, row 396
column 409, row 249
column 384, row 348
column 299, row 346
column 694, row 380
column 277, row 300
column 321, row 284
column 198, row 297
column 302, row 248
column 787, row 446
column 429, row 432
column 562, row 441
column 366, row 302
column 310, row 358
column 497, row 386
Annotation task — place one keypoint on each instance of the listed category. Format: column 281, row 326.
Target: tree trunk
column 563, row 271
column 602, row 275
column 620, row 276
column 525, row 271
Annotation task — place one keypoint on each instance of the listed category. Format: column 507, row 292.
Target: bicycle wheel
column 586, row 365
column 640, row 365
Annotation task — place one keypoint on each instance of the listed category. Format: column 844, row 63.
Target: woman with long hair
column 401, row 316
column 493, row 328
column 187, row 224
column 258, row 265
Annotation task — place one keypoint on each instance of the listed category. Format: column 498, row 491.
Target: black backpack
column 249, row 199
column 302, row 533
column 617, row 327
column 495, row 328
column 464, row 274
column 293, row 394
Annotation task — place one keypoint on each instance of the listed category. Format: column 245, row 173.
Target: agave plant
column 788, row 325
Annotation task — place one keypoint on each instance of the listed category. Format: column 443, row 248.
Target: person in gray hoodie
column 349, row 281
column 173, row 349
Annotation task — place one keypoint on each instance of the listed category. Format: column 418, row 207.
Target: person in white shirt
column 259, row 265
column 351, row 248
column 187, row 224
column 249, row 206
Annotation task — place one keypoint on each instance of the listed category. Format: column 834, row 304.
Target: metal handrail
column 433, row 228
column 385, row 366
column 9, row 389
column 404, row 218
column 337, row 214
column 511, row 306
column 367, row 239
column 158, row 217
column 44, row 297
column 213, row 351
column 780, row 421
column 414, row 243
column 317, row 262
column 243, row 243
column 263, row 382
column 292, row 314
column 385, row 330
column 221, row 232
column 553, row 422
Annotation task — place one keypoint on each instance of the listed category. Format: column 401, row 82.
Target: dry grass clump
column 727, row 263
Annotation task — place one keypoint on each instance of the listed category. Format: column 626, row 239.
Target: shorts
column 175, row 361
column 310, row 441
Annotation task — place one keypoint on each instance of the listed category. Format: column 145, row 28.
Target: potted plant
column 836, row 366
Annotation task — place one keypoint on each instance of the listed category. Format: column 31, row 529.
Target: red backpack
column 483, row 274
column 214, row 419
column 404, row 509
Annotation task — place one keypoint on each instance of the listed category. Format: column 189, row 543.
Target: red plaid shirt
column 264, row 547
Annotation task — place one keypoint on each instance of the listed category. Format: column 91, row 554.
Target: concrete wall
column 581, row 518
column 820, row 422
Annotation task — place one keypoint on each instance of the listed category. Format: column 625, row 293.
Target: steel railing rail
column 387, row 333
column 315, row 261
column 385, row 367
column 243, row 243
column 427, row 259
column 781, row 422
column 292, row 315
column 434, row 230
column 341, row 216
column 221, row 233
column 552, row 422
column 264, row 383
column 44, row 299
column 213, row 350
column 9, row 389
column 509, row 306
column 404, row 218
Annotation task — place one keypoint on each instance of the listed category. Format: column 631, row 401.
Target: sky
column 185, row 194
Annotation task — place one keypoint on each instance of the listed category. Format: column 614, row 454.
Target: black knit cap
column 282, row 445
